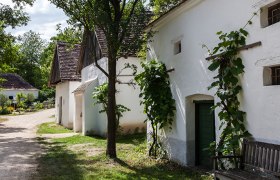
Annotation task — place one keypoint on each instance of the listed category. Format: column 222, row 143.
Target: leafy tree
column 162, row 6
column 119, row 20
column 10, row 17
column 45, row 93
column 29, row 66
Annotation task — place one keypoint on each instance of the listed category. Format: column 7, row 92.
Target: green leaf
column 215, row 64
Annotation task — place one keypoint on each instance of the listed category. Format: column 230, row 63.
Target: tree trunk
column 111, row 127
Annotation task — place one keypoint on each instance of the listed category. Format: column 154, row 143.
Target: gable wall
column 198, row 26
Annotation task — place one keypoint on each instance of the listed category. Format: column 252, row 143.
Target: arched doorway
column 200, row 122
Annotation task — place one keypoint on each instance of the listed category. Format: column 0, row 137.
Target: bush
column 6, row 110
column 20, row 98
column 29, row 99
column 3, row 100
column 38, row 105
column 46, row 93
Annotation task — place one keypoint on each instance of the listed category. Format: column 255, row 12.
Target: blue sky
column 44, row 17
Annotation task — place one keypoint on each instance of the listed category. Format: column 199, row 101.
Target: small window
column 275, row 75
column 11, row 97
column 274, row 14
column 177, row 47
column 271, row 76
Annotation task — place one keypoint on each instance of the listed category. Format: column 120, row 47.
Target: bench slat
column 256, row 156
column 260, row 157
column 276, row 160
column 263, row 158
column 253, row 154
column 271, row 160
column 267, row 159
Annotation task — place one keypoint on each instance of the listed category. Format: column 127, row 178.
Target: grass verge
column 83, row 158
column 52, row 128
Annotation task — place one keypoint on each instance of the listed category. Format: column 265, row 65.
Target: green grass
column 3, row 119
column 52, row 128
column 61, row 163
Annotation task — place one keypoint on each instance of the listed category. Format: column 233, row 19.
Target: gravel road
column 18, row 146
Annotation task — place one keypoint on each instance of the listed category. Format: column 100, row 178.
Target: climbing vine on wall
column 157, row 100
column 226, row 60
column 229, row 66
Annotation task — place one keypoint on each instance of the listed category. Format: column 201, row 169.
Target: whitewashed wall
column 95, row 122
column 65, row 90
column 13, row 92
column 195, row 24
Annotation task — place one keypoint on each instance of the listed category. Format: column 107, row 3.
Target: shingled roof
column 14, row 81
column 94, row 45
column 64, row 66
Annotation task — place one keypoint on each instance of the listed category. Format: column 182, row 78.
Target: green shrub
column 20, row 99
column 38, row 105
column 6, row 110
column 30, row 98
column 3, row 100
column 46, row 93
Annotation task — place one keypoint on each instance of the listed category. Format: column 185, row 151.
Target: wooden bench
column 258, row 161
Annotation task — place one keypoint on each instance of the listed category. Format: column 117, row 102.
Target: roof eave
column 169, row 15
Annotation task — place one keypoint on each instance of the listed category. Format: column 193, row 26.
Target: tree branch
column 124, row 30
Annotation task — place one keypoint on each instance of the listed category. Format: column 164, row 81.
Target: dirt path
column 18, row 146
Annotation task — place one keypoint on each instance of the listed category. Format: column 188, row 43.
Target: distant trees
column 10, row 17
column 31, row 47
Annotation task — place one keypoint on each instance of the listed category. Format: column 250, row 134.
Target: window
column 275, row 75
column 177, row 47
column 274, row 14
column 271, row 76
column 11, row 97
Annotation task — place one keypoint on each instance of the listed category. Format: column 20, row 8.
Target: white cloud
column 44, row 18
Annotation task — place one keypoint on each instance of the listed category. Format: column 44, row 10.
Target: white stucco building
column 88, row 119
column 66, row 80
column 178, row 41
column 12, row 84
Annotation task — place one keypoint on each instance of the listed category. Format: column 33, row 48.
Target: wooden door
column 205, row 132
column 60, row 110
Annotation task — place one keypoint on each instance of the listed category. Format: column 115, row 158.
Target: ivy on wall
column 157, row 99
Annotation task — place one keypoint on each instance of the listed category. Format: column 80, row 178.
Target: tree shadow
column 6, row 130
column 134, row 139
column 59, row 163
column 167, row 170
column 18, row 157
